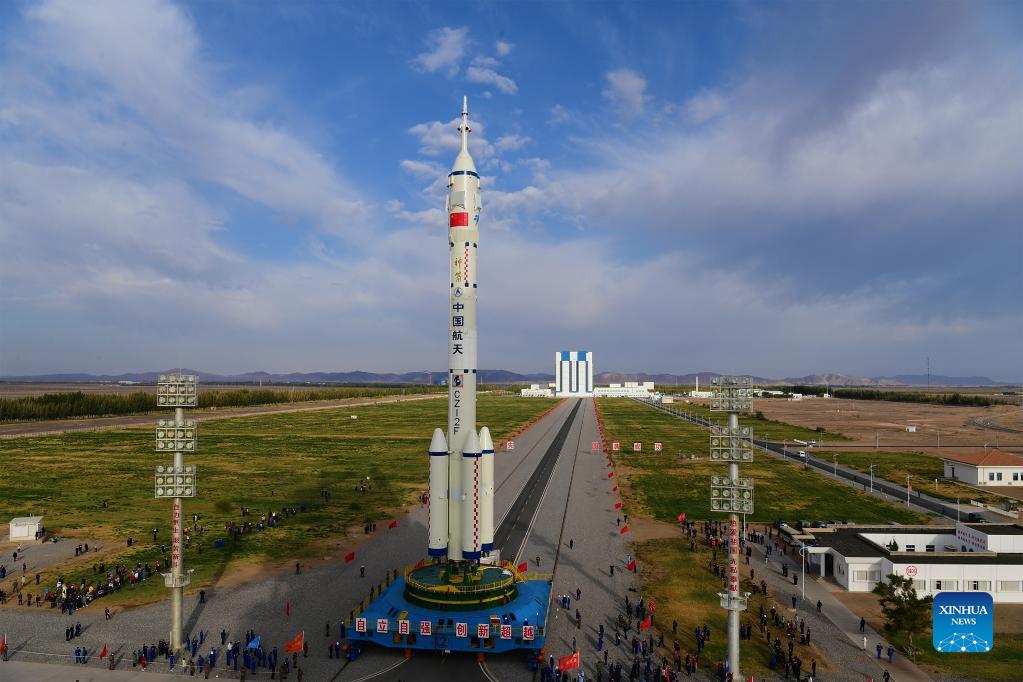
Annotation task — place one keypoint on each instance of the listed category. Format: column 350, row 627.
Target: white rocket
column 462, row 467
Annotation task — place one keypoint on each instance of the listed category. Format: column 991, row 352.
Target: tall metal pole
column 176, row 482
column 733, row 568
column 176, row 555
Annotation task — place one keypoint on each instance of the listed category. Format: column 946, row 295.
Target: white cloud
column 704, row 106
column 503, row 48
column 126, row 83
column 511, row 142
column 559, row 114
column 445, row 48
column 437, row 138
column 422, row 170
column 482, row 71
column 626, row 90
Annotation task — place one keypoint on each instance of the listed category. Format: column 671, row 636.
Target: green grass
column 767, row 429
column 663, row 485
column 684, row 589
column 264, row 462
column 1001, row 663
column 895, row 466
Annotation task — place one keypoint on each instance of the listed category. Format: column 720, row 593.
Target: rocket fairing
column 461, row 502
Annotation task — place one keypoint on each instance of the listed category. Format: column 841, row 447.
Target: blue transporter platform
column 448, row 607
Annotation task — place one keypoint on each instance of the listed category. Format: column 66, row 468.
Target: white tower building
column 573, row 374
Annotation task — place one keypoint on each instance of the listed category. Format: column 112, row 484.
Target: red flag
column 287, row 609
column 569, row 662
column 618, row 505
column 682, row 516
column 295, row 645
column 610, row 474
column 103, row 654
column 3, row 644
column 523, row 567
column 624, row 530
column 459, row 219
column 350, row 557
column 645, row 624
column 393, row 524
column 614, row 489
column 631, row 566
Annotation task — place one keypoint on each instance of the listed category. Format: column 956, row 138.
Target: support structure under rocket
column 462, row 466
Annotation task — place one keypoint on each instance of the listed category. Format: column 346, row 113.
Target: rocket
column 462, row 465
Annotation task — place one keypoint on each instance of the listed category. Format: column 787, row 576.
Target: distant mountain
column 501, row 376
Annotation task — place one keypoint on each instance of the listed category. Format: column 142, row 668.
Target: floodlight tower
column 731, row 493
column 176, row 481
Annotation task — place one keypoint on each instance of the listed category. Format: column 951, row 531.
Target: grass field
column 662, row 485
column 685, row 590
column 264, row 462
column 763, row 428
column 895, row 466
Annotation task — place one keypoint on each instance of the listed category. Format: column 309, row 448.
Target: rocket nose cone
column 486, row 442
column 472, row 443
column 438, row 443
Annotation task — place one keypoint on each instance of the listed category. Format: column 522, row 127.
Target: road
column 57, row 426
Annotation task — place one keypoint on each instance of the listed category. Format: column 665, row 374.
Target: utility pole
column 872, row 477
column 731, row 493
column 909, row 489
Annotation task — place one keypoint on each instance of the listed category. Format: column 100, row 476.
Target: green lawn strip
column 1003, row 662
column 663, row 485
column 263, row 462
column 767, row 429
column 684, row 589
column 924, row 469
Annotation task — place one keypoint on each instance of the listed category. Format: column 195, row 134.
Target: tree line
column 956, row 399
column 78, row 404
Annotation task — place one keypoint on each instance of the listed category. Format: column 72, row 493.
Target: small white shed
column 26, row 527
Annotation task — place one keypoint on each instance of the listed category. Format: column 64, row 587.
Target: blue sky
column 777, row 189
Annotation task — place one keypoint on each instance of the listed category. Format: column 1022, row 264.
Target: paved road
column 56, row 426
column 510, row 537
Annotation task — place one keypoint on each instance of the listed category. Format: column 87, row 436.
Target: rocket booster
column 465, row 495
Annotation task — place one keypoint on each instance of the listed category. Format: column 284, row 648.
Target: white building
column 573, row 374
column 630, row 389
column 981, row 557
column 534, row 391
column 985, row 467
column 26, row 528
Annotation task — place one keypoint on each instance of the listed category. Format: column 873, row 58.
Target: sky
column 768, row 188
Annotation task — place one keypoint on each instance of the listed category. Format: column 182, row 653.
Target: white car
column 802, row 454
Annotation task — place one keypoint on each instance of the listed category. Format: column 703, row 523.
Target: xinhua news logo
column 963, row 622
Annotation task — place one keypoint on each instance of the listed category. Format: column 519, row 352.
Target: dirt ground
column 18, row 389
column 862, row 419
column 1008, row 617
